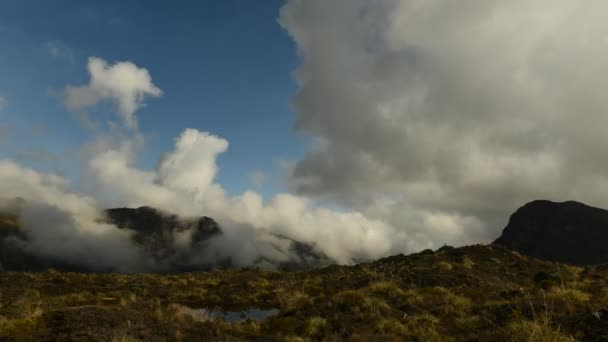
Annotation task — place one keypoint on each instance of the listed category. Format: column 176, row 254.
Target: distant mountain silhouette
column 155, row 233
column 569, row 232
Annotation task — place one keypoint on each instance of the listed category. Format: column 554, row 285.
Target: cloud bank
column 183, row 183
column 431, row 120
column 66, row 225
column 440, row 118
column 62, row 225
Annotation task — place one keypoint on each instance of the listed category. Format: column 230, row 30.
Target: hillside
column 569, row 232
column 476, row 293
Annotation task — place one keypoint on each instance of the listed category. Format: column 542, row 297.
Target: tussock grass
column 487, row 294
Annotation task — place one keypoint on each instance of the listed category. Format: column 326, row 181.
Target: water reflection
column 206, row 314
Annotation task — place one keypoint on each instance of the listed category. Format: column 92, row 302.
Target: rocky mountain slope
column 569, row 232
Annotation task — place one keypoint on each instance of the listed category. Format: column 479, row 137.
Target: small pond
column 206, row 314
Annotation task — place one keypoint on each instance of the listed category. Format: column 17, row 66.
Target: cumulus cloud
column 65, row 225
column 123, row 83
column 191, row 166
column 431, row 122
column 183, row 183
column 442, row 117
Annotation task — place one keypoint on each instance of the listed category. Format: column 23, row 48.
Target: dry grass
column 487, row 295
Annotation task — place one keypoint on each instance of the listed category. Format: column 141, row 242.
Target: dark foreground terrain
column 477, row 293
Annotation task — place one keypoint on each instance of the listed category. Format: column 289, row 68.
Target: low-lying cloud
column 62, row 225
column 183, row 183
column 68, row 226
column 431, row 122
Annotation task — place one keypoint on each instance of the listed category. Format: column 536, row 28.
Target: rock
column 569, row 232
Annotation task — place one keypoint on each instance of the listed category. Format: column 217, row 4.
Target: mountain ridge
column 569, row 232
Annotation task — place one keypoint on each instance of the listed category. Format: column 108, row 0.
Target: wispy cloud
column 60, row 50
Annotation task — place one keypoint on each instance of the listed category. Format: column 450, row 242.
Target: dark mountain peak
column 156, row 232
column 570, row 232
column 148, row 222
column 565, row 206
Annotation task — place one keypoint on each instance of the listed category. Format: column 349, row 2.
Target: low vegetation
column 477, row 293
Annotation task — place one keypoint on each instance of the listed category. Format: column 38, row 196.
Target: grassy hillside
column 467, row 294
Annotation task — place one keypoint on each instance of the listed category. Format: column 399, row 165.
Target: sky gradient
column 223, row 66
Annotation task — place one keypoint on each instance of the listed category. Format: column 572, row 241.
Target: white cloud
column 123, row 83
column 63, row 225
column 433, row 121
column 442, row 117
column 184, row 184
column 191, row 166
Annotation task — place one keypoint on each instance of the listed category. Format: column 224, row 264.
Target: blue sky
column 224, row 67
column 493, row 111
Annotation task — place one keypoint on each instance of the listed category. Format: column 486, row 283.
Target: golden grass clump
column 538, row 330
column 316, row 327
column 293, row 300
column 444, row 266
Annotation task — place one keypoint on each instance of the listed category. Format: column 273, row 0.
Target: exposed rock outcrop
column 569, row 232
